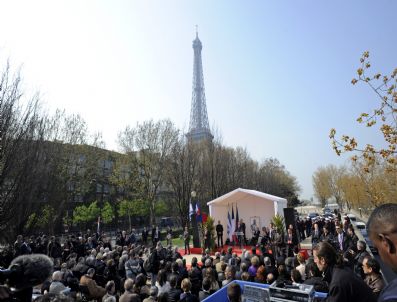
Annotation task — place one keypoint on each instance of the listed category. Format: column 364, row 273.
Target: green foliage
column 46, row 215
column 107, row 213
column 93, row 211
column 80, row 214
column 84, row 214
column 209, row 224
column 279, row 223
column 31, row 222
column 41, row 220
column 133, row 207
column 161, row 208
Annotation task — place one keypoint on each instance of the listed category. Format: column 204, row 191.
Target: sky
column 277, row 73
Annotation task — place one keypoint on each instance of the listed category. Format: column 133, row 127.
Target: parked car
column 312, row 216
column 328, row 215
column 352, row 217
column 327, row 210
column 360, row 225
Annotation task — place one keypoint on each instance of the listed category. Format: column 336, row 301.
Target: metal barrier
column 221, row 294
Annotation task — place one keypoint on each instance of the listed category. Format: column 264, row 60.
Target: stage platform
column 305, row 245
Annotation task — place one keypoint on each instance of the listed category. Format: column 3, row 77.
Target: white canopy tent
column 254, row 207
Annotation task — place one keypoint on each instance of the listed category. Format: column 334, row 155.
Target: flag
column 191, row 211
column 235, row 239
column 205, row 217
column 229, row 225
column 232, row 226
column 233, row 220
column 237, row 218
column 198, row 214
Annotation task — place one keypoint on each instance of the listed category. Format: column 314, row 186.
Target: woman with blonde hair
column 187, row 296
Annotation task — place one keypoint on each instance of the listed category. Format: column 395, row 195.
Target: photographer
column 23, row 274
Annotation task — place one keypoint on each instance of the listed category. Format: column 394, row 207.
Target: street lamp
column 196, row 238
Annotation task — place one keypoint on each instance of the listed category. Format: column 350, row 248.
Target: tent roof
column 240, row 194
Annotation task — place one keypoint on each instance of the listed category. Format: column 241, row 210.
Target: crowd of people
column 90, row 267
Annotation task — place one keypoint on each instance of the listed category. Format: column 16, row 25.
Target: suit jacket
column 345, row 242
column 345, row 286
column 174, row 295
column 219, row 229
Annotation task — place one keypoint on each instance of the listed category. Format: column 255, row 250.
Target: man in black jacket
column 174, row 293
column 382, row 230
column 219, row 234
column 344, row 285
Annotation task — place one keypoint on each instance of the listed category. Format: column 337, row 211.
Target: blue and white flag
column 191, row 211
column 229, row 226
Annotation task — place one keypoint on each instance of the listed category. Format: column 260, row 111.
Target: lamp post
column 196, row 237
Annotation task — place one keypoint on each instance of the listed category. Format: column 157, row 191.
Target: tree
column 84, row 214
column 21, row 135
column 152, row 142
column 180, row 175
column 107, row 213
column 274, row 179
column 321, row 185
column 129, row 208
column 81, row 215
column 378, row 182
column 384, row 115
column 353, row 191
column 41, row 220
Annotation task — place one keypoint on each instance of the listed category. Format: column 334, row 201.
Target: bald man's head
column 382, row 230
column 383, row 219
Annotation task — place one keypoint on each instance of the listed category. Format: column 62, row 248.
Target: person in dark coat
column 174, row 293
column 207, row 238
column 327, row 236
column 54, row 248
column 314, row 278
column 145, row 234
column 373, row 276
column 342, row 241
column 205, row 292
column 243, row 229
column 196, row 277
column 344, row 285
column 187, row 296
column 219, row 234
column 382, row 230
column 359, row 257
column 291, row 241
column 155, row 235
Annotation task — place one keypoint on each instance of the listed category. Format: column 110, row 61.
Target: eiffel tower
column 199, row 129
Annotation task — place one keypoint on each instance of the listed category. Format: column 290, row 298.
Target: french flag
column 198, row 214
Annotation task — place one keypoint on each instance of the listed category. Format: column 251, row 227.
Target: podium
column 240, row 238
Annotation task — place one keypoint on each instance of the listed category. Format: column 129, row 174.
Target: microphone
column 27, row 271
